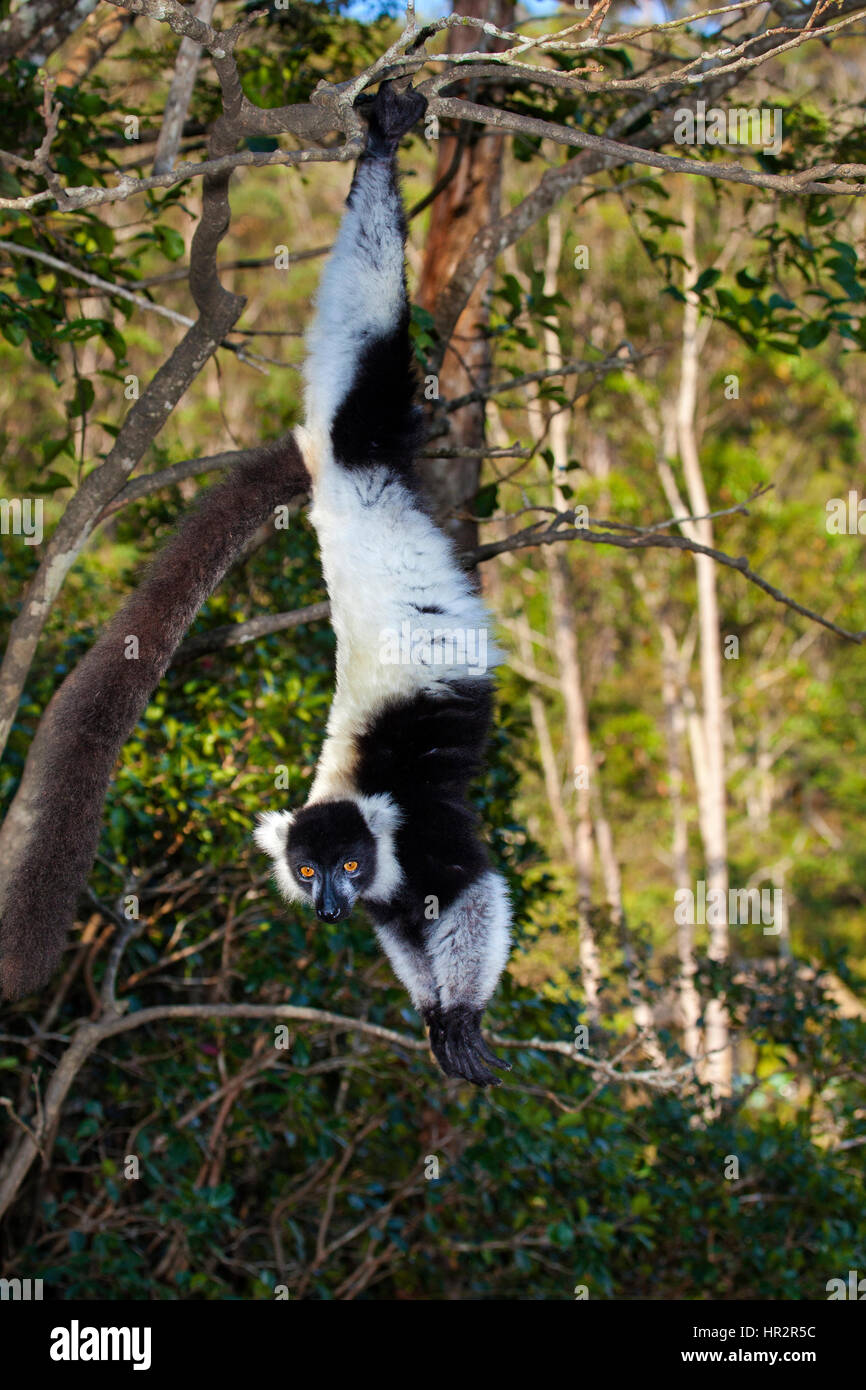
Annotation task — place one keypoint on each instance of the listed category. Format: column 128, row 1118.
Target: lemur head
column 331, row 853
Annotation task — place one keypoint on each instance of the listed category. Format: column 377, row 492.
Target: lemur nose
column 331, row 914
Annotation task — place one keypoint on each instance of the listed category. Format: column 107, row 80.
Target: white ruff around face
column 271, row 835
column 383, row 817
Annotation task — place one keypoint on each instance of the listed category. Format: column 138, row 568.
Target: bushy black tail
column 59, row 804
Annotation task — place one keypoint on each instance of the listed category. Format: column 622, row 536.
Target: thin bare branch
column 236, row 634
column 640, row 540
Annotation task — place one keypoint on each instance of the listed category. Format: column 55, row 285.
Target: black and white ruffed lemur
column 387, row 819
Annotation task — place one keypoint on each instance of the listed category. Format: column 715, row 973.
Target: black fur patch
column 390, row 115
column 378, row 422
column 424, row 752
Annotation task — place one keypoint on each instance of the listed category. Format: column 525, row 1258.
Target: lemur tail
column 59, row 803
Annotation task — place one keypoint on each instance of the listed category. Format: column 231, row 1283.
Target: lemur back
column 413, row 700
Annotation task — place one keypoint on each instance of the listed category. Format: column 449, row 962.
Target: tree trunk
column 673, row 683
column 469, row 202
column 180, row 94
column 714, row 827
column 100, row 32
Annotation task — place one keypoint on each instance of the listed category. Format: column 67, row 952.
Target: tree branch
column 180, row 93
column 89, row 1036
column 637, row 538
column 802, row 183
column 236, row 634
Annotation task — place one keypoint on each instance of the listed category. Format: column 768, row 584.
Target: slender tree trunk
column 469, row 202
column 564, row 633
column 550, row 771
column 673, row 682
column 180, row 94
column 714, row 829
column 675, row 723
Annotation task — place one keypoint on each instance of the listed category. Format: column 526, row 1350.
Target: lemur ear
column 272, row 832
column 381, row 813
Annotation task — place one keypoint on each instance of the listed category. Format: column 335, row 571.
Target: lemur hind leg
column 452, row 973
column 390, row 115
column 411, row 965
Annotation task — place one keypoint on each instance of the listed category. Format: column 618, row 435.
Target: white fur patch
column 383, row 817
column 311, row 449
column 272, row 832
column 469, row 944
column 384, row 560
column 411, row 967
column 271, row 835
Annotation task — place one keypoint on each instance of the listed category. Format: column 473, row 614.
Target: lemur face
column 330, row 855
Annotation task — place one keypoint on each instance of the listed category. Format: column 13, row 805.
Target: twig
column 639, row 540
column 235, row 634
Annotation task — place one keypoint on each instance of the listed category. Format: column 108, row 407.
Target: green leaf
column 171, row 243
column 705, row 279
column 487, row 500
column 812, row 334
column 52, row 482
column 747, row 281
column 82, row 398
column 77, row 330
column 28, row 286
column 14, row 332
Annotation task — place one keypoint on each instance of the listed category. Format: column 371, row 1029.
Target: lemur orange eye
column 306, row 872
column 350, row 866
